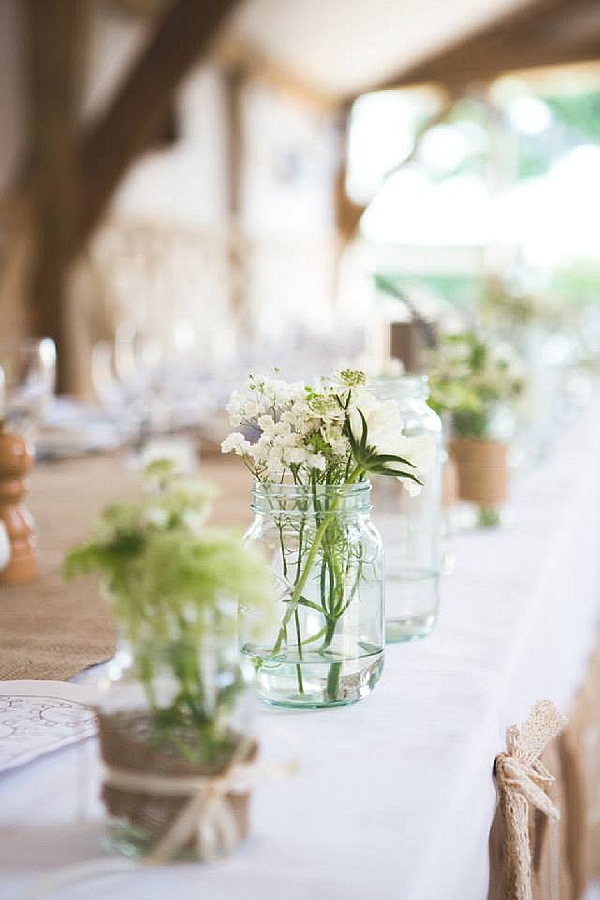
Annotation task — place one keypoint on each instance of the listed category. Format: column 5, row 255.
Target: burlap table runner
column 53, row 630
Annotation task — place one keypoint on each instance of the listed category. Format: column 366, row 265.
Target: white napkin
column 38, row 717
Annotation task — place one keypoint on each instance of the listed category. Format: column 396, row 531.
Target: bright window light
column 529, row 115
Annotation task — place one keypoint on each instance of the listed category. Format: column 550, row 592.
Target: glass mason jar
column 325, row 646
column 173, row 709
column 411, row 527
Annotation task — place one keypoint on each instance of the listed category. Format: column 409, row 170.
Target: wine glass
column 27, row 382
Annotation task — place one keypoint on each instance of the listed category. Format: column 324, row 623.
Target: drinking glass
column 27, row 382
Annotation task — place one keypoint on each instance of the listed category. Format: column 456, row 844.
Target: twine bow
column 207, row 814
column 521, row 779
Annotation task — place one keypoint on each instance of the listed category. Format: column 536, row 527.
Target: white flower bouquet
column 311, row 451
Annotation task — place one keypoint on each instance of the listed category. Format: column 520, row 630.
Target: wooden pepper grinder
column 15, row 463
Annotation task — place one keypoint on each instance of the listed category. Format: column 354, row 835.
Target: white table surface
column 394, row 796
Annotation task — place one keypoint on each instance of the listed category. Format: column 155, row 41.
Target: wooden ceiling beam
column 111, row 144
column 542, row 33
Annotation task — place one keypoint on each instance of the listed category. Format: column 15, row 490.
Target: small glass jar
column 411, row 527
column 325, row 647
column 480, row 446
column 176, row 709
column 536, row 422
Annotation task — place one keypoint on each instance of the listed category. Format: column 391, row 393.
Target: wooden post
column 55, row 55
column 233, row 81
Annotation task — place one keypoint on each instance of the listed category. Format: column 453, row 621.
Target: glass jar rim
column 298, row 499
column 291, row 489
column 410, row 387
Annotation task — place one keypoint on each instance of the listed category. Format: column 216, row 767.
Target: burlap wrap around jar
column 482, row 471
column 128, row 744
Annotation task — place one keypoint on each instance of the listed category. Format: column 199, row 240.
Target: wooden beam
column 234, row 78
column 55, row 33
column 347, row 213
column 542, row 33
column 112, row 144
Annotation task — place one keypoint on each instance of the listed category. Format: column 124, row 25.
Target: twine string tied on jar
column 207, row 814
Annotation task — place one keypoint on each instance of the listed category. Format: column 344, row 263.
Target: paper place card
column 38, row 717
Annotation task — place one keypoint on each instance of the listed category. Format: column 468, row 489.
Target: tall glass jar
column 174, row 711
column 411, row 527
column 325, row 647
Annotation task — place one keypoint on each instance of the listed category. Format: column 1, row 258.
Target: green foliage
column 164, row 569
column 174, row 584
column 460, row 290
column 532, row 161
column 469, row 378
column 579, row 113
column 577, row 285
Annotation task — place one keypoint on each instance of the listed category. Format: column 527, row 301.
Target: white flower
column 296, row 456
column 236, row 443
column 275, row 466
column 266, row 424
column 413, row 489
column 289, row 440
column 339, row 446
column 251, row 409
column 261, row 449
column 234, row 408
column 383, row 419
column 316, row 461
column 420, row 451
column 304, row 430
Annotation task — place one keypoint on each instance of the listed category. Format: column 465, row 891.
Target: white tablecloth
column 394, row 796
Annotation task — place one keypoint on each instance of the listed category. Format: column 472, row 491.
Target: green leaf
column 389, row 457
column 396, row 474
column 363, row 438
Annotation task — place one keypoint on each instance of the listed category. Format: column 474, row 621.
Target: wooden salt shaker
column 15, row 463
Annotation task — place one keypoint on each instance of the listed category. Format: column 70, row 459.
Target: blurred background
column 194, row 189
column 189, row 190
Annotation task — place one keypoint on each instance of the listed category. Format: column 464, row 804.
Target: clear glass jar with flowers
column 175, row 712
column 479, row 382
column 311, row 450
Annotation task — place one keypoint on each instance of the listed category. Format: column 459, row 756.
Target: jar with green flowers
column 175, row 713
column 478, row 382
